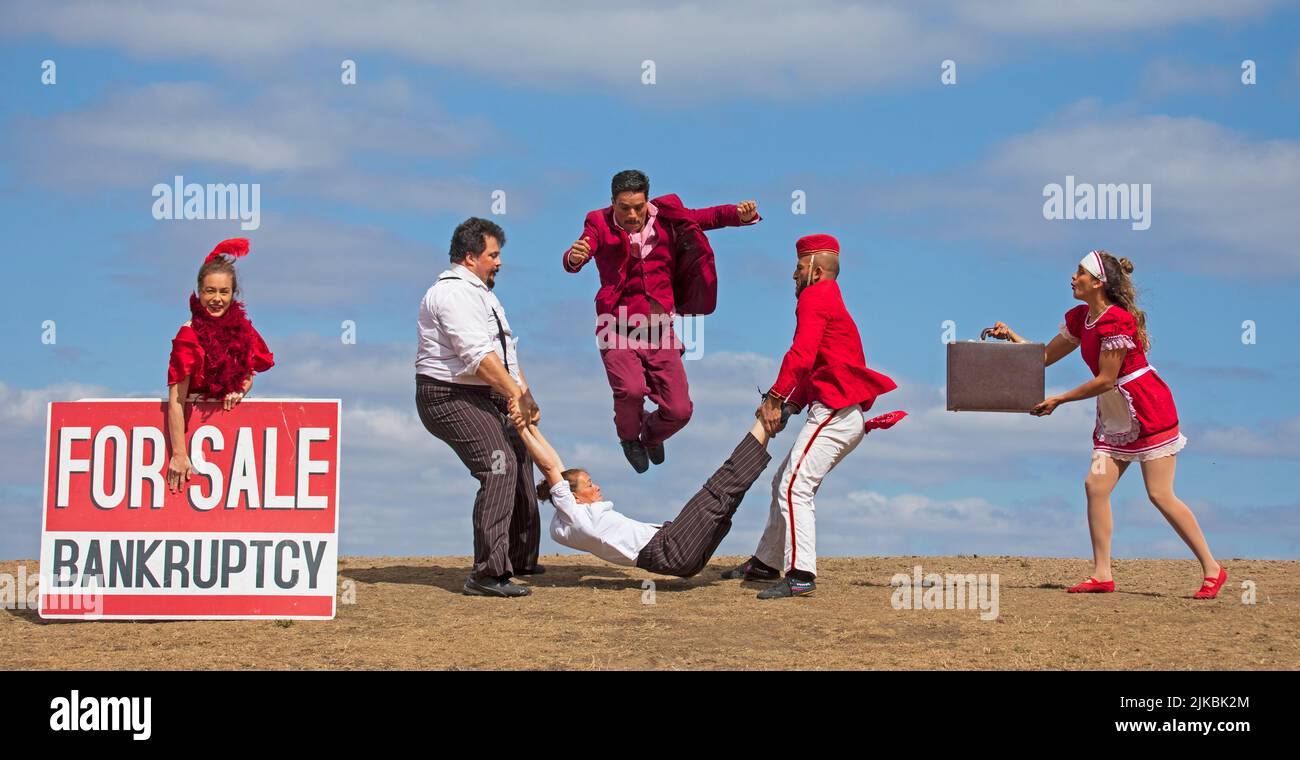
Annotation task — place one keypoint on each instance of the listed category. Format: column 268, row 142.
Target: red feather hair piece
column 234, row 247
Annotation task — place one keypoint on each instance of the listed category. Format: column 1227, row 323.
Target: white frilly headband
column 1093, row 266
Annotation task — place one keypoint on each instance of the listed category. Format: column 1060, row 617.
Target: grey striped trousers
column 682, row 547
column 475, row 422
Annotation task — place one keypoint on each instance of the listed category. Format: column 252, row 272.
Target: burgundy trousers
column 655, row 373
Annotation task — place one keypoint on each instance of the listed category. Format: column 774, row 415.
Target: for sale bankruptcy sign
column 252, row 534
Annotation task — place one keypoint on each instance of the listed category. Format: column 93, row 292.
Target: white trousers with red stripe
column 790, row 539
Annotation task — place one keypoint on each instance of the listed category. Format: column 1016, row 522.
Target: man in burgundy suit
column 654, row 261
column 826, row 370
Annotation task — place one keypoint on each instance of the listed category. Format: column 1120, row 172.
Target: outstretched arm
column 729, row 215
column 1053, row 352
column 544, row 456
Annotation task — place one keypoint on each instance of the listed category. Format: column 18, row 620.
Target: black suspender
column 501, row 333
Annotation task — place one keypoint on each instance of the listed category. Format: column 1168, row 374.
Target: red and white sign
column 254, row 534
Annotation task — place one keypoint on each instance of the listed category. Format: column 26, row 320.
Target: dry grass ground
column 586, row 614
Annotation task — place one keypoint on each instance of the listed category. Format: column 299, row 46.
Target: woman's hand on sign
column 232, row 400
column 178, row 472
column 1045, row 407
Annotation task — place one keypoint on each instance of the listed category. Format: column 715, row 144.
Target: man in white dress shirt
column 471, row 392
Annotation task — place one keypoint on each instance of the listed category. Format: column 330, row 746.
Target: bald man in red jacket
column 826, row 370
column 654, row 262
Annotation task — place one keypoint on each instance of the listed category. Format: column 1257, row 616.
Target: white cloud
column 1168, row 77
column 22, row 460
column 303, row 264
column 1100, row 16
column 917, row 523
column 768, row 49
column 146, row 135
column 1217, row 194
column 1279, row 438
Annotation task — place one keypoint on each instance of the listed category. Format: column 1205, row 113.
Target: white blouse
column 597, row 529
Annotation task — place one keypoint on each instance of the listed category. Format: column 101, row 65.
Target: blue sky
column 934, row 191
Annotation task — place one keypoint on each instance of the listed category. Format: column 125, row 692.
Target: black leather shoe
column 656, row 453
column 534, row 570
column 636, row 455
column 751, row 570
column 786, row 588
column 494, row 587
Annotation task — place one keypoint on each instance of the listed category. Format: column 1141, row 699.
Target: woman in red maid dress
column 1136, row 417
column 215, row 354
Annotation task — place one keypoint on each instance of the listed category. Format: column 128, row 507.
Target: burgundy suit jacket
column 695, row 278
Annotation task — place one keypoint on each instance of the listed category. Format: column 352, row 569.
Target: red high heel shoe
column 1210, row 587
column 1093, row 586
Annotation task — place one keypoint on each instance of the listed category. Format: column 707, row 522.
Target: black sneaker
column 751, row 570
column 656, row 453
column 494, row 587
column 788, row 587
column 636, row 455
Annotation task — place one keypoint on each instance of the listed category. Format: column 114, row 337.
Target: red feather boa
column 227, row 343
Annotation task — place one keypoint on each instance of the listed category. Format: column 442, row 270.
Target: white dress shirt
column 460, row 323
column 596, row 528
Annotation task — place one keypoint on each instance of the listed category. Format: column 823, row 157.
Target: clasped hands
column 524, row 410
column 774, row 414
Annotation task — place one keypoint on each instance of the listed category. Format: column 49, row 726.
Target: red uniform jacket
column 826, row 362
column 694, row 284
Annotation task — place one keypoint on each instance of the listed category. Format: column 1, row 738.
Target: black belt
column 426, row 380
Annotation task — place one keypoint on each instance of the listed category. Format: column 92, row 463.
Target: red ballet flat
column 1210, row 587
column 1093, row 586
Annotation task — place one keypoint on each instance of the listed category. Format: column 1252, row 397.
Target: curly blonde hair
column 1120, row 290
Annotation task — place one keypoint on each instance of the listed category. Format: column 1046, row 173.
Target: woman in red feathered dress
column 215, row 354
column 1136, row 417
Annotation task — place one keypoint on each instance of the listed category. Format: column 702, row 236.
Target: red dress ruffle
column 1148, row 428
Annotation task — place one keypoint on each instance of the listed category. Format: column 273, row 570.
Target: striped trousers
column 475, row 422
column 682, row 547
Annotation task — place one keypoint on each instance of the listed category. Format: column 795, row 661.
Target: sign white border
column 45, row 500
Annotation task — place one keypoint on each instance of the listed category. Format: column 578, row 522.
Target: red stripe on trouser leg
column 789, row 490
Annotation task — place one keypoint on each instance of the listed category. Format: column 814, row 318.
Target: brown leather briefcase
column 988, row 376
